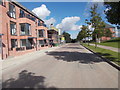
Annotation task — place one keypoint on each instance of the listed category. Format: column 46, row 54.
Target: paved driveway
column 70, row 66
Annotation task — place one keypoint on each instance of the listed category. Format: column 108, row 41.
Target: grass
column 108, row 54
column 112, row 43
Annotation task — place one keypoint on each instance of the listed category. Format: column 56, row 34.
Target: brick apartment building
column 112, row 29
column 53, row 35
column 21, row 31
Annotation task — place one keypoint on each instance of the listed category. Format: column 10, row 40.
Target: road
column 70, row 66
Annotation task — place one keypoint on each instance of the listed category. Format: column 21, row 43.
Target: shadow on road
column 71, row 56
column 26, row 80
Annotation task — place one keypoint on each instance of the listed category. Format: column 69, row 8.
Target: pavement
column 107, row 47
column 68, row 66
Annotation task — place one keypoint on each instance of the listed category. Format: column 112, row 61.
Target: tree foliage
column 113, row 12
column 83, row 33
column 96, row 22
column 107, row 33
column 67, row 37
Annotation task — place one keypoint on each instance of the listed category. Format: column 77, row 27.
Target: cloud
column 69, row 23
column 41, row 11
column 50, row 21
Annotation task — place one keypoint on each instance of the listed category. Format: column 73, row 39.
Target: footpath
column 18, row 60
column 107, row 47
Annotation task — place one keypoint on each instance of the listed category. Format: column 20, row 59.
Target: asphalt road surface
column 70, row 66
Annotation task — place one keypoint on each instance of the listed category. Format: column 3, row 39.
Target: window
column 41, row 42
column 40, row 23
column 13, row 28
column 12, row 11
column 41, row 33
column 0, row 2
column 3, row 3
column 25, row 29
column 22, row 13
column 23, row 42
column 44, row 25
column 14, row 43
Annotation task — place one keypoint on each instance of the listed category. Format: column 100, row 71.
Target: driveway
column 70, row 66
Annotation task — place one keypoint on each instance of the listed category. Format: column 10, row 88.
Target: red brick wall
column 108, row 38
column 6, row 38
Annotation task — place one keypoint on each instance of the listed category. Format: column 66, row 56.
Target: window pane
column 23, row 42
column 22, row 14
column 22, row 26
column 12, row 10
column 13, row 43
column 25, row 29
column 41, row 42
column 13, row 28
column 41, row 33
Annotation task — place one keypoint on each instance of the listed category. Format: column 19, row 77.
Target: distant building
column 53, row 35
column 112, row 29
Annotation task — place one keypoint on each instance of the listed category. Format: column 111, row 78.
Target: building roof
column 108, row 26
column 21, row 6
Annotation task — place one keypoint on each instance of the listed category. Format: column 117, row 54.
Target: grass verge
column 112, row 43
column 108, row 54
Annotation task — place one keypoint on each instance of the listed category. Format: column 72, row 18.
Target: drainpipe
column 1, row 50
column 36, row 39
column 7, row 38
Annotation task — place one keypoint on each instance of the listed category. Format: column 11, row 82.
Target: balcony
column 11, row 14
column 42, row 24
column 27, row 16
column 52, row 36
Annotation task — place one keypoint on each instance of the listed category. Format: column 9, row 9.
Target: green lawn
column 110, row 55
column 112, row 43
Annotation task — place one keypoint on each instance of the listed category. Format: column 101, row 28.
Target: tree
column 107, row 33
column 97, row 23
column 67, row 37
column 82, row 34
column 88, row 30
column 113, row 12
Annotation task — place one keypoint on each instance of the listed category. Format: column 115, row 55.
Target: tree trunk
column 96, row 41
column 99, row 41
column 88, row 41
column 85, row 40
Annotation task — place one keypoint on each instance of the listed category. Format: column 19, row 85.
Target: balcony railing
column 25, row 33
column 27, row 16
column 42, row 24
column 52, row 36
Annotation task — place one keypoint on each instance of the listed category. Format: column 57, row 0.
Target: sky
column 68, row 16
